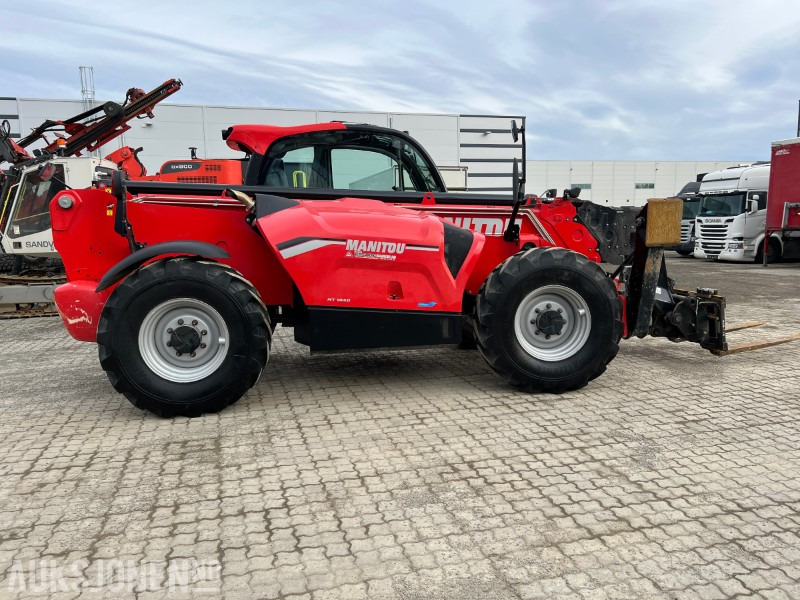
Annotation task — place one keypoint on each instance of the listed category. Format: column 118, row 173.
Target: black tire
column 7, row 263
column 220, row 304
column 685, row 252
column 773, row 252
column 535, row 276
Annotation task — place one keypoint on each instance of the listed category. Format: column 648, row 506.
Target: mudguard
column 130, row 263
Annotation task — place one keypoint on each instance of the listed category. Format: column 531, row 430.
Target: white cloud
column 615, row 79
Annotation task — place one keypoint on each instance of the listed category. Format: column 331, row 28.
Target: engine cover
column 366, row 254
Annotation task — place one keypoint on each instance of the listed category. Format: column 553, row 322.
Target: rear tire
column 182, row 337
column 548, row 320
column 773, row 252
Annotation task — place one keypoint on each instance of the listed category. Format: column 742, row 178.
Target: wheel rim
column 183, row 340
column 552, row 323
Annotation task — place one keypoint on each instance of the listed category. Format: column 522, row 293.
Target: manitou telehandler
column 29, row 265
column 181, row 286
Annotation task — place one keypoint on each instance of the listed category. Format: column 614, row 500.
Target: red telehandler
column 347, row 234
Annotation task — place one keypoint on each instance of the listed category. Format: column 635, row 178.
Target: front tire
column 182, row 337
column 548, row 320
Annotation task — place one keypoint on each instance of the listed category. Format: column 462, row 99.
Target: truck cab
column 26, row 229
column 691, row 206
column 732, row 213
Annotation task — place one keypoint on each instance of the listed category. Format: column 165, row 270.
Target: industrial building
column 476, row 152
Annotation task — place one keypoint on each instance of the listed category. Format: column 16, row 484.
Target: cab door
column 754, row 222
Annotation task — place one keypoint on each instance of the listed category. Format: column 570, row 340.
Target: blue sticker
column 426, row 304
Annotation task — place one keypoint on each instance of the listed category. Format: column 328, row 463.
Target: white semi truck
column 732, row 215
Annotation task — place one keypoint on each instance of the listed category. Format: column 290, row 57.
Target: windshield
column 691, row 208
column 721, row 205
column 32, row 210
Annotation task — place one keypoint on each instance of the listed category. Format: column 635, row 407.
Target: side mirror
column 46, row 171
column 514, row 130
column 752, row 205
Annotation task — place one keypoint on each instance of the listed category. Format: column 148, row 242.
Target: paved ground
column 414, row 475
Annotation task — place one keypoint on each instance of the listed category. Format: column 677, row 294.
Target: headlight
column 735, row 245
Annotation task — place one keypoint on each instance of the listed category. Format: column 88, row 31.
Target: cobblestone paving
column 412, row 475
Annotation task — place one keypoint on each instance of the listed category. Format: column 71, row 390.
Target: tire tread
column 220, row 276
column 496, row 286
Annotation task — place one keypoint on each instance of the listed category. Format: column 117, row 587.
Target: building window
column 645, row 186
column 583, row 186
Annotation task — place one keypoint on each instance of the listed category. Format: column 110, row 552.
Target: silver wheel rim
column 566, row 303
column 156, row 335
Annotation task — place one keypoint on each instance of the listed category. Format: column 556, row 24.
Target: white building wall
column 615, row 182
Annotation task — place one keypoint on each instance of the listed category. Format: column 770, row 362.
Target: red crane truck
column 182, row 285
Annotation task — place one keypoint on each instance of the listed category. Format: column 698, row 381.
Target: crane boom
column 90, row 129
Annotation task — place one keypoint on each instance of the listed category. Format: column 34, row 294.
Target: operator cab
column 345, row 157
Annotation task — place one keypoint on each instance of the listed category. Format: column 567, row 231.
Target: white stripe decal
column 308, row 246
column 312, row 245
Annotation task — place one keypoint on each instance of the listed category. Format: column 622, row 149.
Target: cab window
column 32, row 212
column 363, row 169
column 350, row 159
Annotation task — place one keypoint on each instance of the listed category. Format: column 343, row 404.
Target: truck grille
column 686, row 232
column 712, row 237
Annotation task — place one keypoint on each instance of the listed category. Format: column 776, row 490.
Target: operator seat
column 276, row 176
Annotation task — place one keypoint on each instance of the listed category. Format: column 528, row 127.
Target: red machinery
column 71, row 137
column 91, row 129
column 182, row 285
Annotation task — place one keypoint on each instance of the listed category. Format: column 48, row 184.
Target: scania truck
column 732, row 215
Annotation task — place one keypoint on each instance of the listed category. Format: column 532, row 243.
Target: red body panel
column 784, row 187
column 80, row 308
column 541, row 225
column 399, row 264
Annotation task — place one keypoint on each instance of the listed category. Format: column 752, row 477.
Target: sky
column 597, row 80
